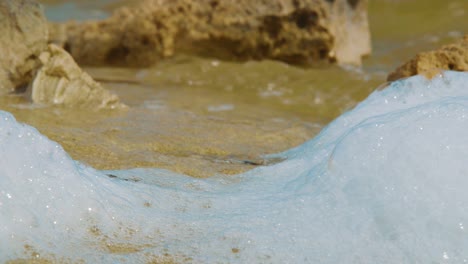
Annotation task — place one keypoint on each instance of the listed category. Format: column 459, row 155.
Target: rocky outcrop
column 23, row 36
column 294, row 31
column 49, row 74
column 449, row 57
column 61, row 81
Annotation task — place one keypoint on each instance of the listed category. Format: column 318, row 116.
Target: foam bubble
column 383, row 183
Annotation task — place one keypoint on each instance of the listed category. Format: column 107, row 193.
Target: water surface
column 202, row 117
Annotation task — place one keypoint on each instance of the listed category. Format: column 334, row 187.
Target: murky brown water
column 202, row 116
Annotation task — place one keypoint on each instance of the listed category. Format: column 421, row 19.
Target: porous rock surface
column 449, row 57
column 47, row 72
column 294, row 31
column 23, row 36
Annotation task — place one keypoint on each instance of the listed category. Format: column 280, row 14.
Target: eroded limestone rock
column 294, row 31
column 61, row 81
column 23, row 36
column 26, row 60
column 449, row 57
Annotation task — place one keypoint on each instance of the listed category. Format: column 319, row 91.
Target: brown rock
column 23, row 36
column 294, row 31
column 449, row 57
column 27, row 60
column 61, row 81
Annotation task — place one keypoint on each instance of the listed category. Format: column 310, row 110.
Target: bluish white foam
column 384, row 183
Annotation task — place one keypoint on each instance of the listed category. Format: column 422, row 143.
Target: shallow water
column 383, row 183
column 203, row 117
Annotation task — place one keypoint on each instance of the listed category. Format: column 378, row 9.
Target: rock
column 294, row 31
column 23, row 36
column 449, row 57
column 61, row 81
column 28, row 61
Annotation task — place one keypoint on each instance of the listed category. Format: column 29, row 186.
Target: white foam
column 384, row 183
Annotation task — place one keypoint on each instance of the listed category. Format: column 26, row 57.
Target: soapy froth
column 383, row 183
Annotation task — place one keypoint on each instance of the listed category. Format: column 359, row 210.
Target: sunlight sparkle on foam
column 383, row 183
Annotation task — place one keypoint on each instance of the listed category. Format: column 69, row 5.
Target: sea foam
column 384, row 183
